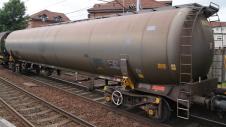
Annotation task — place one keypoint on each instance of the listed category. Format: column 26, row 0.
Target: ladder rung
column 185, row 64
column 186, row 28
column 186, row 36
column 191, row 14
column 189, row 20
column 185, row 73
column 187, row 55
column 185, row 92
column 186, row 45
column 184, row 109
column 186, row 82
column 186, row 118
column 183, row 100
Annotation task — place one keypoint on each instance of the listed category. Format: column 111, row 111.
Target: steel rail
column 208, row 120
column 129, row 114
column 49, row 105
column 22, row 119
column 79, row 85
column 75, row 84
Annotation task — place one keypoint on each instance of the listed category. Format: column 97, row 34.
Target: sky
column 77, row 9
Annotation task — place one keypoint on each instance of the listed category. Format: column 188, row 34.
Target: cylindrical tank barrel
column 149, row 41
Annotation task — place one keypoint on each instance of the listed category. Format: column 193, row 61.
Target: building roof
column 218, row 24
column 51, row 15
column 114, row 5
column 167, row 2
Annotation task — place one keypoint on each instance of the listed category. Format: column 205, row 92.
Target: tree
column 12, row 16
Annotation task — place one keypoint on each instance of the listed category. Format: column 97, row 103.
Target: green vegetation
column 12, row 16
column 223, row 85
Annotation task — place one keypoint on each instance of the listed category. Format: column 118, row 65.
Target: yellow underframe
column 127, row 82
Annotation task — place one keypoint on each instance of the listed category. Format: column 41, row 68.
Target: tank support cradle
column 127, row 79
column 91, row 86
column 155, row 107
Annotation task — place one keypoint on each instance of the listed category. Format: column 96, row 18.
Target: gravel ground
column 5, row 114
column 94, row 113
column 71, row 76
column 81, row 79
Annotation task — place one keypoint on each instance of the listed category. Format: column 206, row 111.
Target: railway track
column 16, row 114
column 33, row 111
column 9, row 114
column 98, row 96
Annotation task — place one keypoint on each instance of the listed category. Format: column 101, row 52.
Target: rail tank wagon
column 147, row 40
column 3, row 52
column 162, row 57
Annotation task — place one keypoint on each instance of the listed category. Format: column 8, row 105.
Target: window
column 132, row 6
column 217, row 28
column 219, row 38
column 43, row 17
column 58, row 19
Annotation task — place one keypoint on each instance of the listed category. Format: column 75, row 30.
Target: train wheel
column 46, row 72
column 91, row 86
column 13, row 67
column 165, row 113
column 5, row 65
column 18, row 68
column 37, row 70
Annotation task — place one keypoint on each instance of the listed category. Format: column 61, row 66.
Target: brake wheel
column 117, row 98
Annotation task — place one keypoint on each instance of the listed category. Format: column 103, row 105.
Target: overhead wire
column 85, row 7
column 78, row 10
column 57, row 3
column 122, row 5
column 116, row 1
column 101, row 1
column 52, row 4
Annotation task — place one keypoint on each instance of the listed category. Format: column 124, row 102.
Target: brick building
column 116, row 7
column 219, row 31
column 46, row 17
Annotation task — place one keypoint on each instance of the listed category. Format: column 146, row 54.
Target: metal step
column 181, row 110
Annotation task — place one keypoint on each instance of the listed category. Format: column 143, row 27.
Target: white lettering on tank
column 151, row 28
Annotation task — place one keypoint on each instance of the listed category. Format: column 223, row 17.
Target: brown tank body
column 149, row 41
